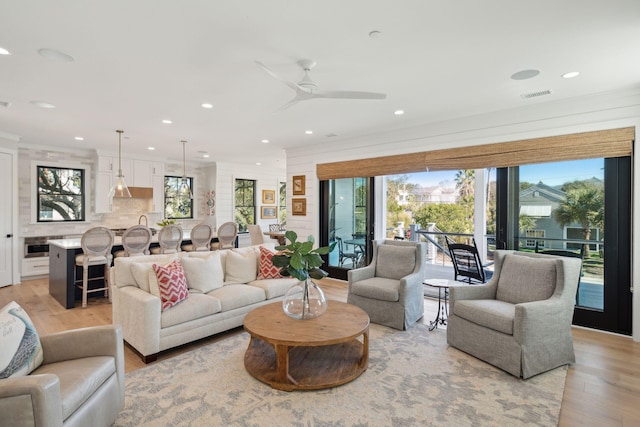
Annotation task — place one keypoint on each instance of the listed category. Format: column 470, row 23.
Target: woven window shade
column 577, row 146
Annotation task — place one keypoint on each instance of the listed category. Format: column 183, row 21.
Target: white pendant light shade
column 119, row 189
column 184, row 188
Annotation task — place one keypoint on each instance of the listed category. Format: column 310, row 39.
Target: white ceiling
column 139, row 62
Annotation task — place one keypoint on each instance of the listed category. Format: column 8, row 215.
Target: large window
column 245, row 203
column 177, row 204
column 282, row 203
column 61, row 194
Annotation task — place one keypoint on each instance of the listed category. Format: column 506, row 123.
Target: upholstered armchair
column 79, row 383
column 390, row 289
column 520, row 321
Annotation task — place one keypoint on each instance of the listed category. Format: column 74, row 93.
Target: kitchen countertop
column 75, row 243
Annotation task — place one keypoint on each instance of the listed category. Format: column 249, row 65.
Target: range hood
column 141, row 192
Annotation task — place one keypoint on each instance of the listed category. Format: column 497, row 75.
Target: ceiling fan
column 306, row 89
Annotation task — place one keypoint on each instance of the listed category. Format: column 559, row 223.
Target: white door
column 6, row 221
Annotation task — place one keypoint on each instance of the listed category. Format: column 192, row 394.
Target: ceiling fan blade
column 291, row 103
column 289, row 83
column 346, row 94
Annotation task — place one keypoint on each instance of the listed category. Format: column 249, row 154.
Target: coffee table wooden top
column 341, row 322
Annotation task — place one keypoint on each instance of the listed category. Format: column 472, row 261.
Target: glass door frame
column 324, row 217
column 617, row 315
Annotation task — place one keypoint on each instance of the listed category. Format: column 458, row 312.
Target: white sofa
column 205, row 312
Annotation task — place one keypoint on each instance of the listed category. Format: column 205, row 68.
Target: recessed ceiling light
column 207, row 105
column 398, row 112
column 265, row 141
column 525, row 74
column 42, row 104
column 55, row 55
column 4, row 51
column 151, row 148
column 258, row 164
column 206, row 156
column 308, row 132
column 79, row 138
column 571, row 75
column 167, row 121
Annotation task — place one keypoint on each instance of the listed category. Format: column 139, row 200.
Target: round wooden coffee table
column 290, row 354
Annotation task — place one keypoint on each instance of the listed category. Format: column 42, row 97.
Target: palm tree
column 583, row 205
column 464, row 183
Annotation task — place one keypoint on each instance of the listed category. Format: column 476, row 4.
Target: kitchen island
column 62, row 267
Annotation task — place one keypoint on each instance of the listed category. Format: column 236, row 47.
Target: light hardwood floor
column 602, row 389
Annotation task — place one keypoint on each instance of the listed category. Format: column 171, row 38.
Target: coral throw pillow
column 266, row 269
column 172, row 283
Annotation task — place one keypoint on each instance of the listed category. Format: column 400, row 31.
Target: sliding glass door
column 579, row 209
column 346, row 220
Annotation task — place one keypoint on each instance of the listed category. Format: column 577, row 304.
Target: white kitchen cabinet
column 35, row 266
column 142, row 174
column 157, row 170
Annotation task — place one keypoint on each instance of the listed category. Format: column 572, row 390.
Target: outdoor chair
column 345, row 254
column 466, row 262
column 390, row 289
column 520, row 321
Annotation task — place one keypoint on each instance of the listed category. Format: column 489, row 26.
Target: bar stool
column 200, row 237
column 96, row 245
column 170, row 239
column 136, row 241
column 227, row 233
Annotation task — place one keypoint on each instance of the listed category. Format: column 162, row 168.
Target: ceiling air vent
column 536, row 94
column 5, row 104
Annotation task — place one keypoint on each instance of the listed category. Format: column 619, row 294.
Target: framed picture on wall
column 268, row 212
column 298, row 206
column 269, row 197
column 298, row 185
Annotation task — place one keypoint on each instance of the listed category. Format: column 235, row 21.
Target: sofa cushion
column 236, row 296
column 20, row 348
column 525, row 279
column 490, row 313
column 144, row 275
column 241, row 266
column 378, row 288
column 123, row 275
column 172, row 283
column 274, row 288
column 79, row 379
column 203, row 274
column 194, row 307
column 266, row 269
column 395, row 262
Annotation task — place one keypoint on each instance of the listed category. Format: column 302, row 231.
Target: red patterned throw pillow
column 172, row 283
column 266, row 269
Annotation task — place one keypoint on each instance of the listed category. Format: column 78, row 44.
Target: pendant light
column 184, row 188
column 119, row 189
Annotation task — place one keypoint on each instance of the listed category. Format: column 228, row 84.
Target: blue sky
column 549, row 173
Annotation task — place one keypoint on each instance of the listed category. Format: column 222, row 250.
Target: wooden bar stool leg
column 85, row 284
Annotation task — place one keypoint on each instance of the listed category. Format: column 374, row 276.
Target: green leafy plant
column 299, row 259
column 166, row 221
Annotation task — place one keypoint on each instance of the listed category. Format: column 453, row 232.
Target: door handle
column 9, row 236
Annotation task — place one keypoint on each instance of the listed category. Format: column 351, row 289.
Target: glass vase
column 304, row 301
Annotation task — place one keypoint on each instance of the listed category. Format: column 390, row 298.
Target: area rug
column 414, row 379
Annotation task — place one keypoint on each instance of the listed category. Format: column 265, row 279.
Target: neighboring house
column 539, row 202
column 424, row 195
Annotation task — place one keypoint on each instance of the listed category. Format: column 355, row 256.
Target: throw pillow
column 20, row 349
column 266, row 269
column 204, row 274
column 241, row 266
column 172, row 283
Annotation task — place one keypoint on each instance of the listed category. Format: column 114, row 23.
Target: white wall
column 597, row 112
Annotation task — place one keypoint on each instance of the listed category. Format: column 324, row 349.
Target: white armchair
column 80, row 382
column 390, row 289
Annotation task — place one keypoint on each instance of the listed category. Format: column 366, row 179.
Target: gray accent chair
column 520, row 321
column 390, row 289
column 80, row 382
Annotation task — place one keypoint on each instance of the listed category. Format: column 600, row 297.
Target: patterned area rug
column 413, row 379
